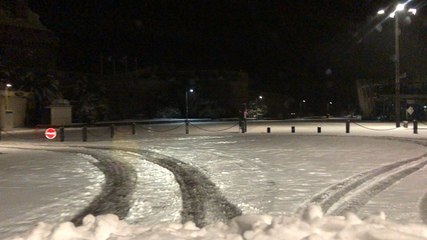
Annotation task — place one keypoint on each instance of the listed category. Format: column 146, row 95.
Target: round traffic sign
column 50, row 133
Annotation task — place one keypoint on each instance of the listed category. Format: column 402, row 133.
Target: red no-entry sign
column 50, row 133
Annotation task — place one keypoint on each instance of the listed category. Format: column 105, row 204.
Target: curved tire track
column 116, row 193
column 202, row 201
column 354, row 192
column 361, row 196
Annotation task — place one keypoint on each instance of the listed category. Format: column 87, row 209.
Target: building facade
column 24, row 41
column 26, row 46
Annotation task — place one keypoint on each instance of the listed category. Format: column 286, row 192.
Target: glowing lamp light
column 381, row 12
column 400, row 7
column 413, row 11
column 8, row 85
column 191, row 90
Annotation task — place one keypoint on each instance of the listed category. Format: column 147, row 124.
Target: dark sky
column 277, row 42
column 205, row 34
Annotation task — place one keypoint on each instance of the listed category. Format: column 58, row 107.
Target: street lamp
column 8, row 85
column 300, row 107
column 395, row 14
column 186, row 109
column 327, row 108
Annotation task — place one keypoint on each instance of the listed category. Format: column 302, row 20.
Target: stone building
column 26, row 45
column 24, row 41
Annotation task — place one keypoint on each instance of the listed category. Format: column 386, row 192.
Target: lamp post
column 328, row 105
column 300, row 107
column 397, row 69
column 8, row 85
column 186, row 110
column 395, row 14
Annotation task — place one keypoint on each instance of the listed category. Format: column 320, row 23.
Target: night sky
column 290, row 45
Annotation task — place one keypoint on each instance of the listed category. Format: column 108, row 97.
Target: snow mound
column 311, row 225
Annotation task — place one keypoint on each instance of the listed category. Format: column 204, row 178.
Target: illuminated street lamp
column 395, row 14
column 381, row 12
column 300, row 107
column 186, row 109
column 328, row 105
column 8, row 85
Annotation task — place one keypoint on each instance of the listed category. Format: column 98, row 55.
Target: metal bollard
column 133, row 128
column 84, row 134
column 415, row 127
column 347, row 126
column 112, row 131
column 187, row 131
column 61, row 134
column 268, row 130
column 293, row 129
column 319, row 129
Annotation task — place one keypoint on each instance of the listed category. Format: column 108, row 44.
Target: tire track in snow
column 201, row 199
column 116, row 193
column 354, row 192
column 359, row 197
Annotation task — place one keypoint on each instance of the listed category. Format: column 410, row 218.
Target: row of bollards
column 319, row 129
column 112, row 130
column 347, row 128
column 61, row 132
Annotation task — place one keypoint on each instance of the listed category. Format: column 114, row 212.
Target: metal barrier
column 111, row 130
column 373, row 129
column 16, row 136
column 220, row 130
column 92, row 133
column 154, row 130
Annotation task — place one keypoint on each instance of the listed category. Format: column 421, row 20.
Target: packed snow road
column 170, row 178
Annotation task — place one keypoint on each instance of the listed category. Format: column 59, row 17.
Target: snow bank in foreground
column 312, row 225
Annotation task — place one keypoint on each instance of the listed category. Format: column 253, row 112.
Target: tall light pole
column 186, row 109
column 301, row 107
column 328, row 105
column 6, row 93
column 395, row 14
column 397, row 68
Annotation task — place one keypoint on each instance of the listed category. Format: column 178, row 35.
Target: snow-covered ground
column 276, row 173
